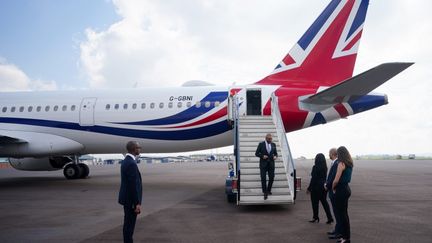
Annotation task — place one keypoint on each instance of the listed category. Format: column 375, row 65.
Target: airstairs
column 248, row 132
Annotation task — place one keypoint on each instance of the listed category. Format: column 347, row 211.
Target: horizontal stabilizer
column 353, row 88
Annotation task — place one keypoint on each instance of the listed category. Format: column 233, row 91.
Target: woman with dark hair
column 316, row 188
column 342, row 191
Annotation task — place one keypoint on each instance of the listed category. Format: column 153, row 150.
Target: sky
column 69, row 45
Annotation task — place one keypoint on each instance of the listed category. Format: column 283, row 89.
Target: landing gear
column 71, row 171
column 84, row 170
column 76, row 170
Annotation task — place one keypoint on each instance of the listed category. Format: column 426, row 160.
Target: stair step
column 257, row 126
column 278, row 164
column 278, row 177
column 251, row 153
column 255, row 140
column 257, row 184
column 257, row 129
column 272, row 199
column 255, row 134
column 250, row 171
column 253, row 148
column 256, row 121
column 258, row 191
column 255, row 117
column 253, row 143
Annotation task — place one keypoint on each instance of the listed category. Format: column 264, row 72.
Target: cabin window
column 198, row 104
column 116, row 106
column 179, row 105
column 134, row 106
column 47, row 108
column 107, row 107
column 207, row 104
column 189, row 104
column 152, row 105
column 64, row 108
column 73, row 107
column 30, row 108
column 143, row 105
column 38, row 109
column 4, row 109
column 21, row 109
column 125, row 106
column 217, row 103
column 170, row 105
column 13, row 109
column 161, row 105
column 56, row 108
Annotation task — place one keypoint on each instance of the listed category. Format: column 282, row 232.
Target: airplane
column 314, row 83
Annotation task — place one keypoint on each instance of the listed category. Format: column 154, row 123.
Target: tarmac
column 185, row 202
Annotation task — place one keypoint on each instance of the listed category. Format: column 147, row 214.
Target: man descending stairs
column 252, row 131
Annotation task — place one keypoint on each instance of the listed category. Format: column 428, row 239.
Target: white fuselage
column 161, row 119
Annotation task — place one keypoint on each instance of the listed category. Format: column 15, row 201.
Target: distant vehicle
column 411, row 156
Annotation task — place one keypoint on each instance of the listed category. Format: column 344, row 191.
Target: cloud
column 12, row 78
column 164, row 43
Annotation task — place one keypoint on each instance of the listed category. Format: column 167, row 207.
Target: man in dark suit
column 130, row 194
column 335, row 234
column 267, row 153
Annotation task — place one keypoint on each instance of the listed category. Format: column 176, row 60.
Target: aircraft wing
column 353, row 88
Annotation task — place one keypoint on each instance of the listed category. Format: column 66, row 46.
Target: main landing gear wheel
column 72, row 171
column 76, row 171
column 84, row 170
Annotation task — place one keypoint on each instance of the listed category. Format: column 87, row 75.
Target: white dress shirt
column 131, row 155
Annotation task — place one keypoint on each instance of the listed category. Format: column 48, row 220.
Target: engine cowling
column 40, row 164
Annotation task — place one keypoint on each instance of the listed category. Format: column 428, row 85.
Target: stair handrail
column 235, row 114
column 284, row 146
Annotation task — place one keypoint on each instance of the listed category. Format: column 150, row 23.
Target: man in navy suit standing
column 130, row 194
column 267, row 153
column 328, row 187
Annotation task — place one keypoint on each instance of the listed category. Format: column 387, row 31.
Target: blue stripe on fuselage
column 189, row 134
column 188, row 114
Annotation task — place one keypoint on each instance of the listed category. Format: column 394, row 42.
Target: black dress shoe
column 344, row 241
column 329, row 221
column 270, row 193
column 331, row 233
column 314, row 220
column 335, row 237
column 265, row 196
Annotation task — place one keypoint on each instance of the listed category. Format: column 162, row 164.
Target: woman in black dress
column 316, row 188
column 342, row 191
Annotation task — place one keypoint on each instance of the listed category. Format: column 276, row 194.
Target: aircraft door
column 87, row 111
column 253, row 102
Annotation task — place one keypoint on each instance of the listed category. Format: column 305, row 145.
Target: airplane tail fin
column 327, row 52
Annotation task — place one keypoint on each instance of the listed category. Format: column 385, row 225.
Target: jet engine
column 40, row 164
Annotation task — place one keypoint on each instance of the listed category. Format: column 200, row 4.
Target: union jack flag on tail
column 327, row 52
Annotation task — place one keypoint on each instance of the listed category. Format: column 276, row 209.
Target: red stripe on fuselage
column 217, row 115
